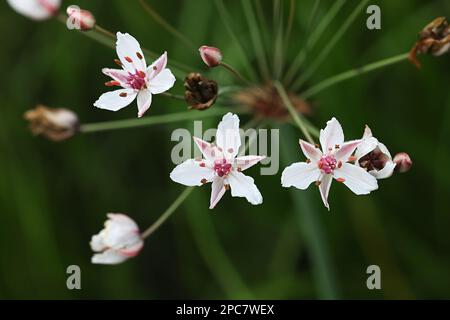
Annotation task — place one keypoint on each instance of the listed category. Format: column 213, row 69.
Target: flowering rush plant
column 266, row 94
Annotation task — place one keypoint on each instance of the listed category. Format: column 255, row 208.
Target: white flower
column 333, row 161
column 221, row 166
column 374, row 156
column 36, row 9
column 118, row 241
column 136, row 79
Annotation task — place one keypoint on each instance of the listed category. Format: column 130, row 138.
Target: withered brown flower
column 434, row 39
column 201, row 93
column 55, row 124
column 265, row 102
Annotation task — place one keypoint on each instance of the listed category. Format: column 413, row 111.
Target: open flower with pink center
column 221, row 165
column 334, row 160
column 36, row 9
column 136, row 79
column 118, row 241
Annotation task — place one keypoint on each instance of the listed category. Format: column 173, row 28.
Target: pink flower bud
column 83, row 20
column 403, row 161
column 211, row 56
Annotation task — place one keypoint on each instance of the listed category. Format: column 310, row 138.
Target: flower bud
column 201, row 93
column 118, row 241
column 434, row 39
column 55, row 124
column 403, row 161
column 83, row 20
column 211, row 56
column 36, row 9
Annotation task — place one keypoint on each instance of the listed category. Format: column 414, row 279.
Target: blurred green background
column 54, row 196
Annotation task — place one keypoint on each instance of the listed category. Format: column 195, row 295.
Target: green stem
column 154, row 120
column 352, row 74
column 173, row 96
column 166, row 214
column 227, row 21
column 329, row 47
column 235, row 73
column 294, row 113
column 278, row 41
column 312, row 40
column 162, row 22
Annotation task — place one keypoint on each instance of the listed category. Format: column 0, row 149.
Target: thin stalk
column 154, row 120
column 235, row 73
column 352, row 74
column 256, row 38
column 316, row 33
column 173, row 96
column 278, row 41
column 166, row 214
column 294, row 113
column 326, row 51
column 227, row 21
column 162, row 22
column 263, row 25
column 290, row 22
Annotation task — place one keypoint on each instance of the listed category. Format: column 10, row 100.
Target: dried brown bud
column 55, row 124
column 434, row 39
column 201, row 93
column 403, row 161
column 83, row 20
column 211, row 56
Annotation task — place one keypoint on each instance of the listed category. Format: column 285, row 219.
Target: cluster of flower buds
column 55, row 124
column 200, row 92
column 434, row 39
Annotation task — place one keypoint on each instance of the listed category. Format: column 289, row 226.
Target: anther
column 118, row 62
column 340, row 180
column 352, row 159
column 339, row 164
column 202, row 165
column 123, row 94
column 139, row 55
column 308, row 161
column 318, row 183
column 129, row 59
column 203, row 181
column 112, row 83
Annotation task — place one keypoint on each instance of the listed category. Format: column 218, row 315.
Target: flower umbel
column 36, row 9
column 55, row 124
column 373, row 156
column 118, row 241
column 136, row 79
column 333, row 161
column 221, row 165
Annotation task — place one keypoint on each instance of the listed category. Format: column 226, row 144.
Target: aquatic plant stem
column 166, row 214
column 294, row 113
column 352, row 74
column 235, row 73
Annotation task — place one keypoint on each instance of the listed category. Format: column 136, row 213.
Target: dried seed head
column 434, row 39
column 55, row 124
column 200, row 93
column 83, row 19
column 403, row 161
column 211, row 56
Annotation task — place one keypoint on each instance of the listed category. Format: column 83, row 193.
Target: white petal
column 244, row 186
column 346, row 150
column 144, row 100
column 191, row 173
column 386, row 172
column 310, row 151
column 157, row 66
column 116, row 74
column 209, row 151
column 227, row 136
column 120, row 232
column 109, row 256
column 113, row 101
column 324, row 188
column 217, row 192
column 34, row 9
column 162, row 82
column 300, row 175
column 332, row 135
column 356, row 179
column 384, row 150
column 367, row 133
column 366, row 146
column 97, row 243
column 246, row 162
column 128, row 47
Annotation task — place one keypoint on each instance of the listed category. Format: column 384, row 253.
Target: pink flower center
column 222, row 167
column 136, row 80
column 327, row 164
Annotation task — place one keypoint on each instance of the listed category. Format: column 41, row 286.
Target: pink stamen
column 222, row 167
column 327, row 164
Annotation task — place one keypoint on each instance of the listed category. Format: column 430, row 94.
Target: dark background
column 54, row 196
